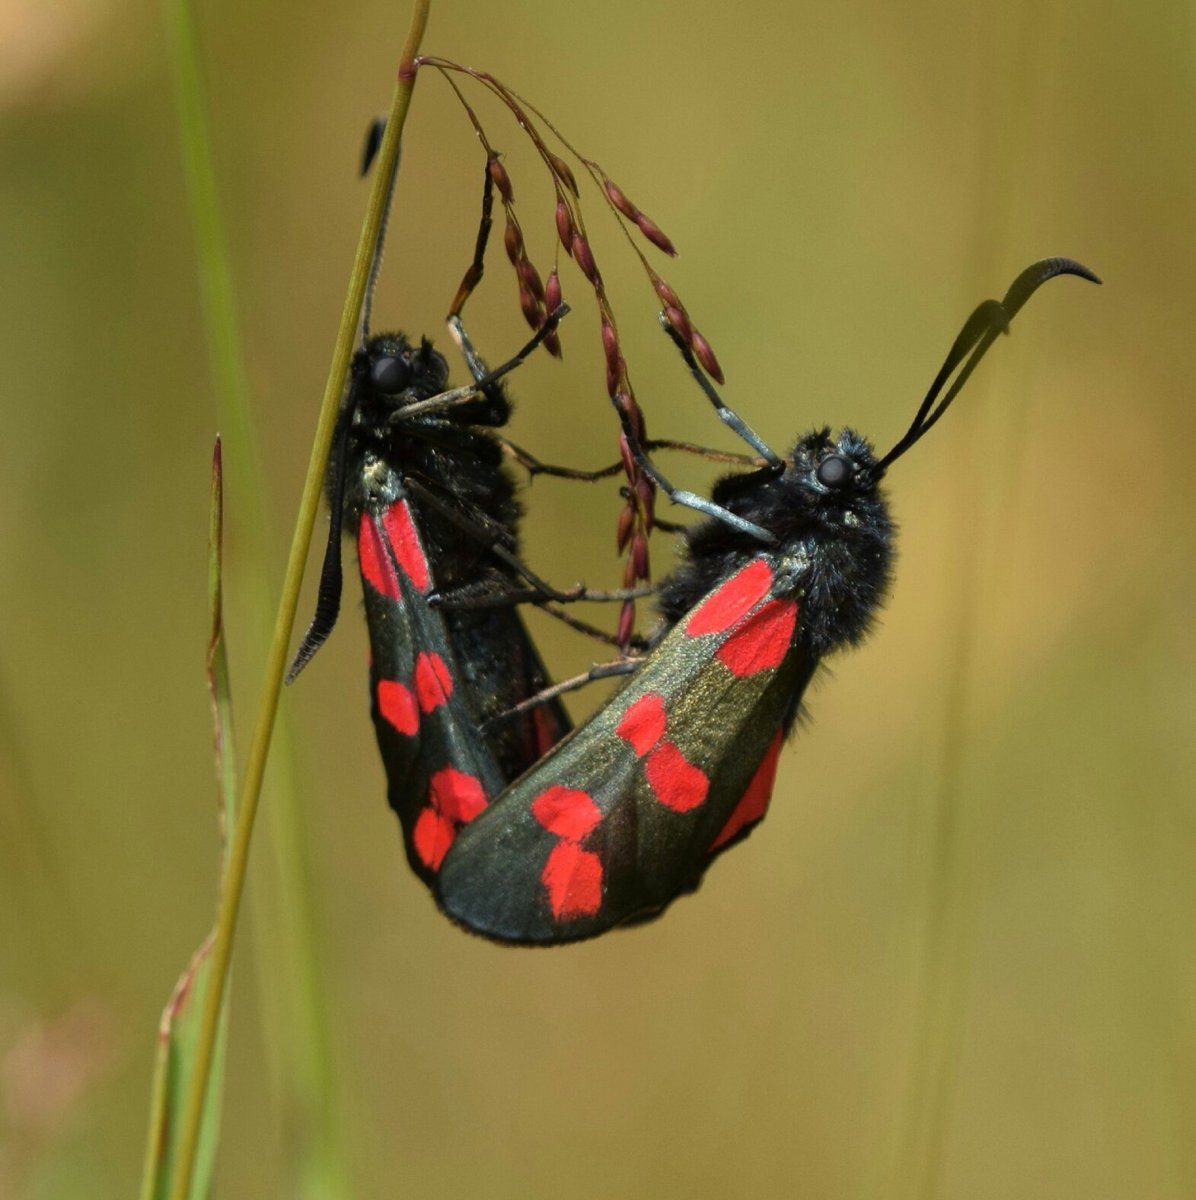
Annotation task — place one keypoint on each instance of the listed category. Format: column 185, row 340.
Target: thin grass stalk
column 1013, row 79
column 230, row 898
column 176, row 1026
column 1009, row 80
column 303, row 1064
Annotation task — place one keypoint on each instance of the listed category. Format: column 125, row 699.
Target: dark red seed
column 680, row 322
column 563, row 173
column 668, row 297
column 705, row 355
column 564, row 225
column 530, row 278
column 552, row 343
column 618, row 372
column 513, row 240
column 620, row 201
column 532, row 309
column 626, row 622
column 552, row 292
column 629, row 464
column 630, row 578
column 610, row 345
column 635, row 417
column 584, row 257
column 502, row 180
column 655, row 235
column 639, row 556
column 624, row 528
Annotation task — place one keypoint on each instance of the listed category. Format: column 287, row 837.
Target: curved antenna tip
column 981, row 329
column 1068, row 266
column 1036, row 274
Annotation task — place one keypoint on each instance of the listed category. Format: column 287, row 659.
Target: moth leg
column 477, row 530
column 474, row 596
column 454, row 601
column 677, row 495
column 637, row 642
column 533, row 466
column 462, row 395
column 622, row 666
column 727, row 415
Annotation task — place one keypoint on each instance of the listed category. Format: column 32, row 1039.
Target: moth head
column 838, row 477
column 390, row 366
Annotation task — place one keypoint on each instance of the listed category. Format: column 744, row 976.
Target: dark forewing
column 500, row 669
column 440, row 773
column 626, row 814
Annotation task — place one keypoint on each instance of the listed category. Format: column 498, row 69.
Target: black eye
column 834, row 471
column 389, row 374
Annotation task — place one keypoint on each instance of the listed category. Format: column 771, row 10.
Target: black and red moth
column 627, row 813
column 417, row 476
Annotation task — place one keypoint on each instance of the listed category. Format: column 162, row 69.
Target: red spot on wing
column 753, row 804
column 674, row 781
column 432, row 836
column 573, row 879
column 458, row 796
column 396, row 703
column 762, row 641
column 566, row 812
column 405, row 544
column 643, row 723
column 454, row 799
column 571, row 876
column 731, row 600
column 376, row 568
column 433, row 680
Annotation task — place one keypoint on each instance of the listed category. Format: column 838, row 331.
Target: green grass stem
column 299, row 1041
column 234, row 882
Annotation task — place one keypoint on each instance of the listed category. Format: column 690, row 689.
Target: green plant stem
column 295, row 1019
column 1012, row 66
column 234, row 882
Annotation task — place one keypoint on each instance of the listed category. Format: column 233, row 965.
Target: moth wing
column 440, row 772
column 502, row 668
column 545, row 725
column 626, row 814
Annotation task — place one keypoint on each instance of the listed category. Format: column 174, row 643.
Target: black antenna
column 372, row 144
column 328, row 597
column 373, row 140
column 980, row 330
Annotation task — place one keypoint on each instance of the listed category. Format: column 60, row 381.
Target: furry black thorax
column 844, row 533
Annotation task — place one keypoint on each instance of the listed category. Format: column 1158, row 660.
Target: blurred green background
column 958, row 959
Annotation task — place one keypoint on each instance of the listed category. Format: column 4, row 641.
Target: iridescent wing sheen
column 441, row 771
column 627, row 813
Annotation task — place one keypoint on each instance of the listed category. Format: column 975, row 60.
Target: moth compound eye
column 834, row 471
column 389, row 374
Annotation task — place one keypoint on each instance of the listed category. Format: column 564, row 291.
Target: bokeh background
column 958, row 958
